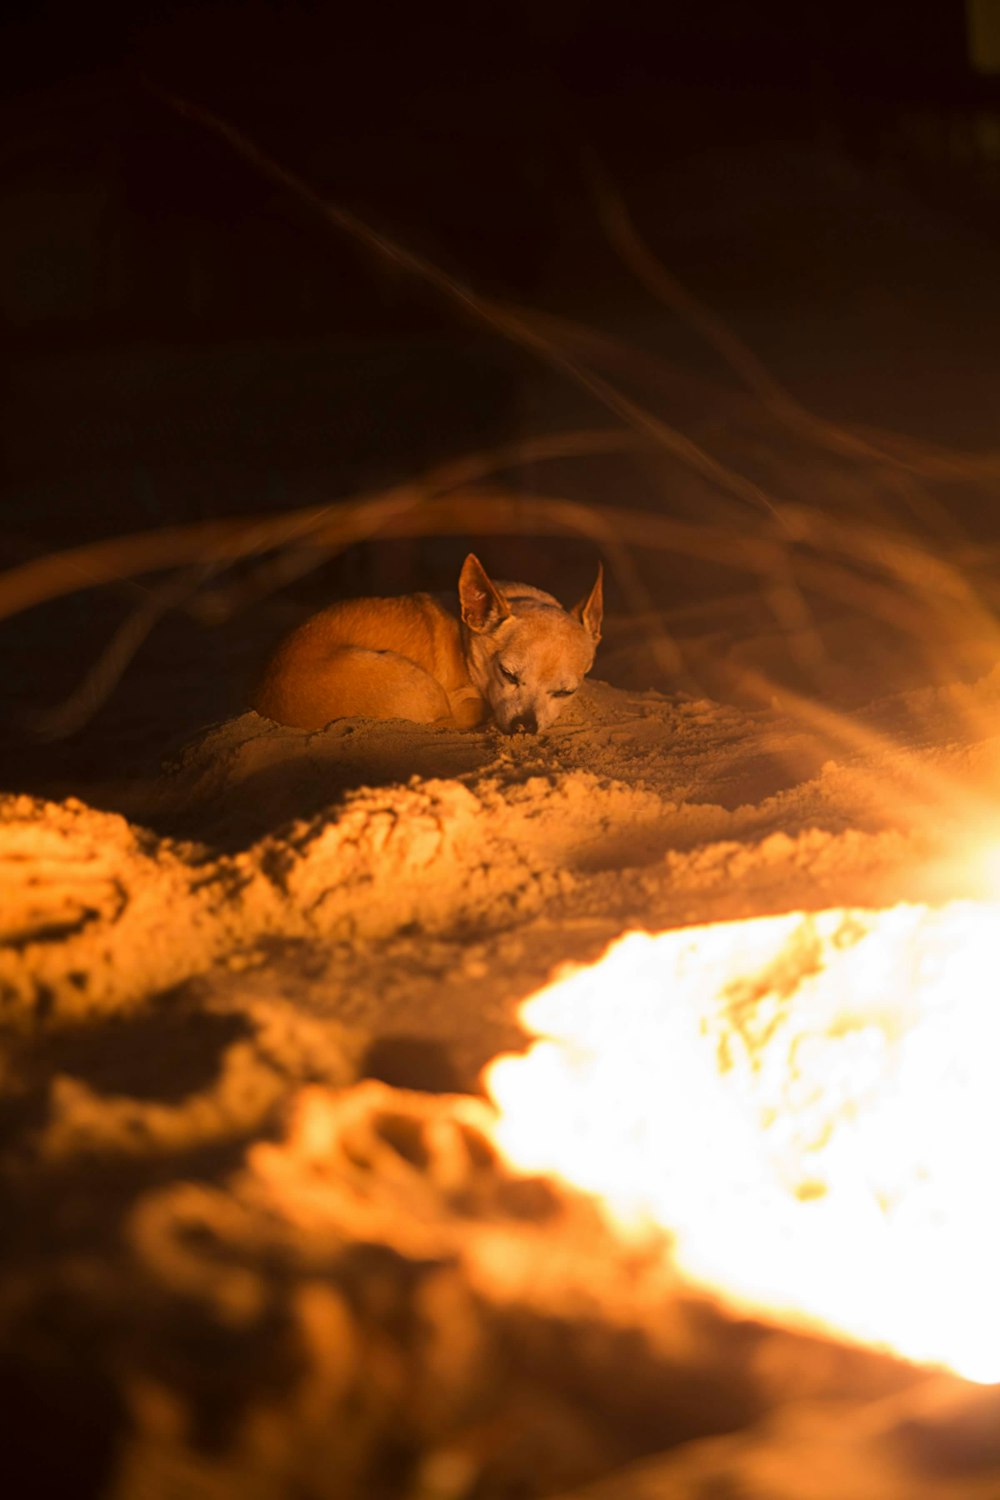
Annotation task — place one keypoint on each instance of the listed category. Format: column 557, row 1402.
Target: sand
column 257, row 1242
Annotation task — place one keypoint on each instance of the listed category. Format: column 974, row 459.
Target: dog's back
column 370, row 658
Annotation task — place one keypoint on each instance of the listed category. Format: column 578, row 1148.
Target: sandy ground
column 255, row 1244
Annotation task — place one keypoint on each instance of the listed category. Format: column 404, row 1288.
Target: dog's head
column 525, row 653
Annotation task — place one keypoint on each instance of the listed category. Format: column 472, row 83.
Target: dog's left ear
column 590, row 611
column 483, row 605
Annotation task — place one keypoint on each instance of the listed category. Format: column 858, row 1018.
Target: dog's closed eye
column 562, row 692
column 510, row 676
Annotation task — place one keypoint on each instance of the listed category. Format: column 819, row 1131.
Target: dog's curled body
column 509, row 652
column 338, row 665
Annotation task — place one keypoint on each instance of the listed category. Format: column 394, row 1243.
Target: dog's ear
column 590, row 611
column 483, row 605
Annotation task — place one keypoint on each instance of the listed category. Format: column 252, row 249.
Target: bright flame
column 808, row 1104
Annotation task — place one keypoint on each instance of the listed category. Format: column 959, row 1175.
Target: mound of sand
column 203, row 1311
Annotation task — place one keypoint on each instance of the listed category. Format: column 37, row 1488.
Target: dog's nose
column 525, row 723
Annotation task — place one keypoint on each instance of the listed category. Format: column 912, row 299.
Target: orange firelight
column 808, row 1105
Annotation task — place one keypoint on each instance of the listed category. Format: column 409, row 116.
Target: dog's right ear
column 590, row 611
column 483, row 606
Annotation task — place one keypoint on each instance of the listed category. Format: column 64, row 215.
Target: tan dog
column 510, row 653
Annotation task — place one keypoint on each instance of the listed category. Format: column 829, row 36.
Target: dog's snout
column 525, row 723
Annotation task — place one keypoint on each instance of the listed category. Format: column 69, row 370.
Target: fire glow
column 808, row 1105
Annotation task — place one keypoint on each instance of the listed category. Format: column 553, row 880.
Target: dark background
column 184, row 339
column 461, row 127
